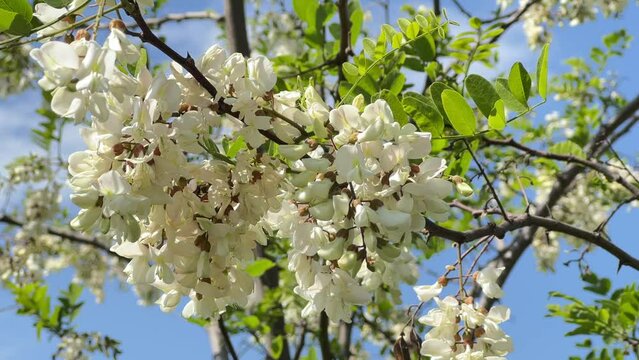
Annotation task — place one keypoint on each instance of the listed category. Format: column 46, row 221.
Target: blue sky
column 148, row 333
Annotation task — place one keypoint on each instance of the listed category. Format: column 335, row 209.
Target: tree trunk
column 235, row 23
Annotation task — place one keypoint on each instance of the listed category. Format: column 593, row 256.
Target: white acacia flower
column 427, row 292
column 487, row 279
column 59, row 62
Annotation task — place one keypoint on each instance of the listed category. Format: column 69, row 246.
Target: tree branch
column 324, row 341
column 68, row 235
column 345, row 37
column 594, row 165
column 236, row 37
column 529, row 220
column 514, row 19
column 155, row 23
column 227, row 339
column 488, row 182
column 595, row 148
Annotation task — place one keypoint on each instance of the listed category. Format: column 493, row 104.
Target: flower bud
column 333, row 250
column 82, row 34
column 348, row 261
column 322, row 211
column 117, row 24
column 86, row 218
column 464, row 189
column 359, row 102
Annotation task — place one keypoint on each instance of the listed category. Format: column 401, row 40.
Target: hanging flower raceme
column 349, row 187
column 359, row 196
column 459, row 328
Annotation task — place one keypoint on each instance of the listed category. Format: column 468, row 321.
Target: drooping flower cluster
column 459, row 328
column 357, row 201
column 546, row 13
column 190, row 215
column 31, row 168
column 587, row 205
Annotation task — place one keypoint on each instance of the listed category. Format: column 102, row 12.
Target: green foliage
column 15, row 17
column 482, row 92
column 423, row 111
column 259, row 267
column 58, row 3
column 612, row 317
column 497, row 117
column 459, row 113
column 34, row 301
column 542, row 72
column 519, row 83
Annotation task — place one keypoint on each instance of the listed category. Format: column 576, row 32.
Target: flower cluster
column 357, row 200
column 586, row 205
column 31, row 168
column 459, row 328
column 190, row 215
column 546, row 13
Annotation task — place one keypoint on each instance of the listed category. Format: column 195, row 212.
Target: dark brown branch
column 529, row 220
column 488, row 182
column 301, row 344
column 595, row 148
column 148, row 36
column 514, row 19
column 594, row 165
column 324, row 341
column 155, row 23
column 68, row 235
column 236, row 35
column 461, row 8
column 187, row 63
column 227, row 339
column 345, row 37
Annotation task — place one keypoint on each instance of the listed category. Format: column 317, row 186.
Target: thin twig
column 488, row 182
column 67, row 235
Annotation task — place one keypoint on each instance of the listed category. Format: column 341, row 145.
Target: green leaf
column 259, row 267
column 567, row 148
column 369, row 47
column 542, row 72
column 423, row 22
column 394, row 82
column 396, row 107
column 459, row 113
column 20, row 7
column 519, row 83
column 357, row 18
column 474, row 22
column 58, row 3
column 411, row 31
column 350, row 70
column 597, row 285
column 435, row 91
column 482, row 92
column 305, row 10
column 277, row 346
column 424, row 112
column 501, row 86
column 251, row 321
column 425, row 48
column 497, row 117
column 15, row 17
column 235, row 146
